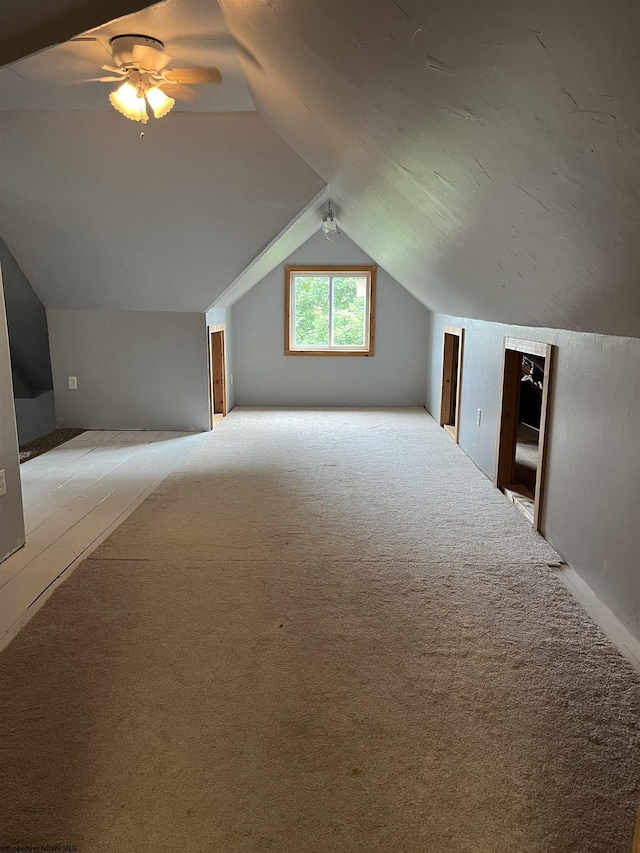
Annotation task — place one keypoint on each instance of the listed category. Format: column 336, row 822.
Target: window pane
column 349, row 305
column 312, row 310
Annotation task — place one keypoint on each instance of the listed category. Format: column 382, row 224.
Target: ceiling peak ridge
column 303, row 226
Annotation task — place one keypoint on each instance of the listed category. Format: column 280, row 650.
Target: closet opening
column 524, row 406
column 217, row 375
column 451, row 381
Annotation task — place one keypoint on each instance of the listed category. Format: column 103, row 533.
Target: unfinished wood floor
column 74, row 496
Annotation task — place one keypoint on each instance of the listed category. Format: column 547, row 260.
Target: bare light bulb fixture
column 329, row 225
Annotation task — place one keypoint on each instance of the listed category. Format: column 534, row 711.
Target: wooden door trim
column 542, row 442
column 445, row 401
column 527, row 347
column 211, row 330
column 508, row 416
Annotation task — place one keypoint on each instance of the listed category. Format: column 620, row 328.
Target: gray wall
column 224, row 316
column 135, row 369
column 264, row 376
column 27, row 323
column 122, row 246
column 29, row 344
column 11, row 519
column 593, row 464
column 35, row 416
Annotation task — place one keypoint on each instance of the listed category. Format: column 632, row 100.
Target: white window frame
column 290, row 347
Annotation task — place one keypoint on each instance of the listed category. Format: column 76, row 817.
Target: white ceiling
column 485, row 152
column 100, row 218
column 194, row 34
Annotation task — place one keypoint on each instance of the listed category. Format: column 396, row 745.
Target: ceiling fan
column 142, row 66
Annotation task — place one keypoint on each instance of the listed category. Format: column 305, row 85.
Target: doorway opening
column 217, row 373
column 522, row 427
column 451, row 381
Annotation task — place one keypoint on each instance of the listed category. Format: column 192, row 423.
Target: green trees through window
column 329, row 311
column 312, row 296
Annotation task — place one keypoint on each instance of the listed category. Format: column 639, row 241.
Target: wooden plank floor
column 74, row 496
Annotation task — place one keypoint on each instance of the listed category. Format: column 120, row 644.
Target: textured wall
column 264, row 376
column 484, row 152
column 593, row 463
column 135, row 369
column 11, row 521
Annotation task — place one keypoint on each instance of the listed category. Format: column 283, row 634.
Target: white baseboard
column 621, row 637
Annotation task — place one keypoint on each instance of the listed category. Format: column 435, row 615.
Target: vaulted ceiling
column 100, row 218
column 485, row 152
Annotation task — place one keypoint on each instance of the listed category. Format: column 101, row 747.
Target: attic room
column 388, row 601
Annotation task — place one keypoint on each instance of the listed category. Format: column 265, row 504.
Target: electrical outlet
column 73, row 383
column 479, row 417
column 3, row 483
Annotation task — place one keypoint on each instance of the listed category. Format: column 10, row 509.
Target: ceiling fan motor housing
column 141, row 53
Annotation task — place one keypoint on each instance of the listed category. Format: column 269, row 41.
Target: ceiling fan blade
column 149, row 57
column 102, row 79
column 180, row 92
column 222, row 42
column 193, row 76
column 89, row 43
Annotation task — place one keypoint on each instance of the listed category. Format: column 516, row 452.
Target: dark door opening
column 529, row 418
column 523, row 419
column 451, row 381
column 217, row 389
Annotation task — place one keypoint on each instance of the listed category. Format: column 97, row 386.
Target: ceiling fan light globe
column 160, row 103
column 126, row 101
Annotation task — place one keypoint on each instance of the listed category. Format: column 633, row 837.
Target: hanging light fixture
column 131, row 100
column 139, row 64
column 329, row 225
column 141, row 69
column 160, row 103
column 126, row 101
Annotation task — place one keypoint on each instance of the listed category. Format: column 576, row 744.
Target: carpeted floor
column 326, row 631
column 47, row 442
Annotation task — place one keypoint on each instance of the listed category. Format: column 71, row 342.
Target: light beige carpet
column 325, row 631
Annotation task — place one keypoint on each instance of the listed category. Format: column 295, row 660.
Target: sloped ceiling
column 194, row 33
column 485, row 152
column 29, row 26
column 99, row 218
column 301, row 228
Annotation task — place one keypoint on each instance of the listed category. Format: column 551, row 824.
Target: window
column 329, row 310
